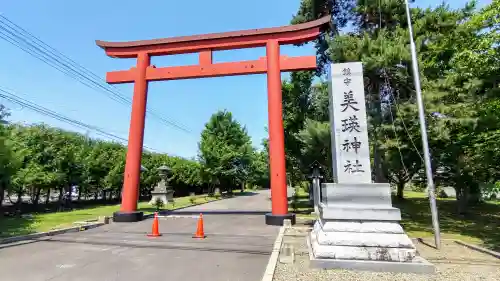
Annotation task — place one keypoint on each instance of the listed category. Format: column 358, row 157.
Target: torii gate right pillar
column 276, row 138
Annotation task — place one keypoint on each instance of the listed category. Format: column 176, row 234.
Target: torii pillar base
column 278, row 219
column 133, row 216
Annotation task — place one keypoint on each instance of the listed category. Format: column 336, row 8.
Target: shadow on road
column 22, row 243
column 161, row 246
column 186, row 234
column 215, row 212
column 245, row 193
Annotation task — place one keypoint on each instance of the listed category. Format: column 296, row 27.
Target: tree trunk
column 19, row 197
column 96, row 196
column 61, row 193
column 463, row 201
column 31, row 193
column 60, row 198
column 70, row 193
column 2, row 195
column 376, row 123
column 69, row 198
column 474, row 194
column 47, row 197
column 377, row 163
column 19, row 201
column 400, row 190
column 36, row 198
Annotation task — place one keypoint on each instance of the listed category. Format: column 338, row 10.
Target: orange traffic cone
column 155, row 232
column 199, row 230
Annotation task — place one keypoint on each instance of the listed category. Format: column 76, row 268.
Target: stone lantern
column 315, row 192
column 162, row 190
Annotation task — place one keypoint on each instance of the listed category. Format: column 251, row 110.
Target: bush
column 417, row 187
column 305, row 185
column 192, row 198
column 158, row 204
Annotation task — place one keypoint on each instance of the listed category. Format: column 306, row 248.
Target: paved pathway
column 250, row 203
column 237, row 247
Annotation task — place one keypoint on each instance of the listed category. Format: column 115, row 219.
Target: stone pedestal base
column 164, row 197
column 376, row 245
column 417, row 265
column 360, row 231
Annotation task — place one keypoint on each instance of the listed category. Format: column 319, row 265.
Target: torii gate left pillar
column 273, row 64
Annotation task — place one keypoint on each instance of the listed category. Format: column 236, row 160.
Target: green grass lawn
column 480, row 226
column 303, row 209
column 48, row 221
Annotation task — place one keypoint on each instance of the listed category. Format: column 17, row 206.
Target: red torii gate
column 205, row 44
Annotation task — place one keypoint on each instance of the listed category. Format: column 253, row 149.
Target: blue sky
column 72, row 27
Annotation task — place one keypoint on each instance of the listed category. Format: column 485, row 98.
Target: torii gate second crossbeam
column 273, row 64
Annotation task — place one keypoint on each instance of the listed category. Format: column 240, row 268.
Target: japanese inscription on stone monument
column 350, row 148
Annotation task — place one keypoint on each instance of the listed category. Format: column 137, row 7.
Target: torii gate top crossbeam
column 285, row 35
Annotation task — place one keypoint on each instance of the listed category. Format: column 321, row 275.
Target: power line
column 387, row 87
column 8, row 33
column 391, row 95
column 70, row 67
column 9, row 96
column 410, row 136
column 26, row 41
column 47, row 112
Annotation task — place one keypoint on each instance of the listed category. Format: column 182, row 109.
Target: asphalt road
column 237, row 247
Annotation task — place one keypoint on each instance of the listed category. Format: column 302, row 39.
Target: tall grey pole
column 423, row 129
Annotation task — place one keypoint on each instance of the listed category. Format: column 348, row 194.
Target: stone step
column 361, row 227
column 358, row 193
column 359, row 212
column 355, row 239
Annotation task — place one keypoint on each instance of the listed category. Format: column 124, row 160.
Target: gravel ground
column 453, row 262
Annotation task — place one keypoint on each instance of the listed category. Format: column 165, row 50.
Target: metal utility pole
column 423, row 130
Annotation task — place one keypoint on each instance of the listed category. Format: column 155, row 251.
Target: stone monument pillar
column 162, row 190
column 358, row 227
